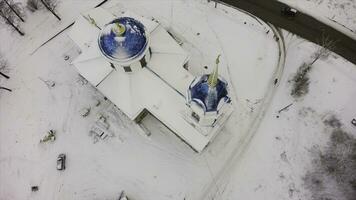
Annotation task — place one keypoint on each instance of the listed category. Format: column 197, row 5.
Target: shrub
column 32, row 5
column 335, row 166
column 301, row 81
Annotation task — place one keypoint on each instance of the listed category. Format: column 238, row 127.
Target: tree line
column 13, row 13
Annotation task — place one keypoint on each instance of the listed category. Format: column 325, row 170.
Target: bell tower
column 208, row 98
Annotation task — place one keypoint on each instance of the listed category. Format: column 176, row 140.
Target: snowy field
column 283, row 154
column 246, row 161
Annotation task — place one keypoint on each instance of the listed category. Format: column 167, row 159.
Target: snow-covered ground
column 340, row 14
column 155, row 167
column 283, row 153
column 40, row 26
column 273, row 165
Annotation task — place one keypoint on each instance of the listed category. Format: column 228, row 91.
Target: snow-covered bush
column 3, row 63
column 301, row 81
column 11, row 15
column 334, row 173
column 32, row 5
column 14, row 8
column 50, row 5
column 3, row 66
column 50, row 136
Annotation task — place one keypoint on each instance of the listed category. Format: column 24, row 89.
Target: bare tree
column 326, row 46
column 9, row 17
column 301, row 79
column 51, row 5
column 32, row 5
column 3, row 66
column 14, row 8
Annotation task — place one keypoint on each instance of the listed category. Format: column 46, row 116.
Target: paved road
column 302, row 24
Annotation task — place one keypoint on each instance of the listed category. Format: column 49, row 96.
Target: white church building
column 139, row 67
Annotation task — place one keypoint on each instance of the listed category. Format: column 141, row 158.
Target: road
column 302, row 24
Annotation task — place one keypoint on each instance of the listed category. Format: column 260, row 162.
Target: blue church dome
column 206, row 96
column 123, row 39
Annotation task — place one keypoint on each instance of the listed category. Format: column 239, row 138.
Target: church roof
column 206, row 96
column 123, row 39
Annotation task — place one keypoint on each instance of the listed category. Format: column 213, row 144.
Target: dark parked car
column 289, row 12
column 61, row 162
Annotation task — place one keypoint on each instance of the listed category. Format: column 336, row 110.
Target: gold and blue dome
column 209, row 91
column 123, row 40
column 208, row 96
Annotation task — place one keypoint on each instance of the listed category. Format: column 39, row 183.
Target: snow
column 160, row 166
column 340, row 14
column 39, row 27
column 281, row 153
column 143, row 166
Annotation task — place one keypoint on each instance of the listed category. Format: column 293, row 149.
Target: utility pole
column 13, row 10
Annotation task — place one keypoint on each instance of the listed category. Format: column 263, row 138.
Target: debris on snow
column 353, row 122
column 49, row 83
column 50, row 136
column 98, row 132
column 285, row 108
column 34, row 188
column 284, row 156
column 100, row 129
column 102, row 122
column 84, row 112
column 66, row 57
column 97, row 102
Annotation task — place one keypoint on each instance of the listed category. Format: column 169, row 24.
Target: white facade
column 160, row 88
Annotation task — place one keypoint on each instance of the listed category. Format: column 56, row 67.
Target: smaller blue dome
column 206, row 96
column 123, row 39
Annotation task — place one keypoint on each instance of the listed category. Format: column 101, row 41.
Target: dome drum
column 135, row 65
column 124, row 42
column 207, row 104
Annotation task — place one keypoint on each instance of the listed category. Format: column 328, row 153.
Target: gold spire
column 119, row 29
column 213, row 77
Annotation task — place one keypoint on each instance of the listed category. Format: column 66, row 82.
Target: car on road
column 61, row 162
column 289, row 12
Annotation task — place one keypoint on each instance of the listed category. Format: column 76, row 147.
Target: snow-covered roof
column 159, row 88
